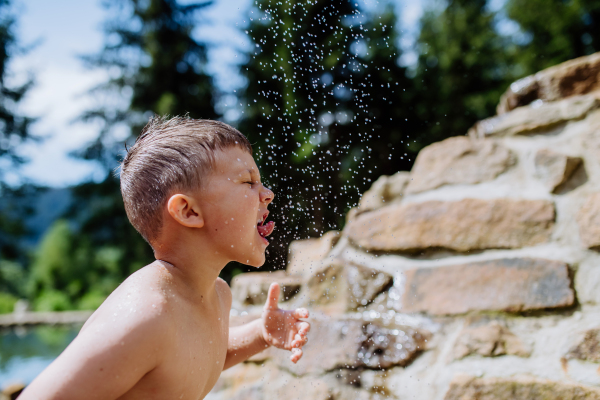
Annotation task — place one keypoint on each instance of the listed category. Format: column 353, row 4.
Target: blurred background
column 332, row 94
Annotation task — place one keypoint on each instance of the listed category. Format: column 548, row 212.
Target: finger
column 302, row 327
column 272, row 297
column 299, row 340
column 296, row 355
column 301, row 313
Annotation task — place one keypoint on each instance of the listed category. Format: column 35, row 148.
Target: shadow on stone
column 577, row 179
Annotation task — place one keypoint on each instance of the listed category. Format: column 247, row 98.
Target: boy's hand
column 284, row 329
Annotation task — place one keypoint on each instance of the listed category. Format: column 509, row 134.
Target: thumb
column 272, row 297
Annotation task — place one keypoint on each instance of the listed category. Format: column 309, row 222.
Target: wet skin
column 164, row 333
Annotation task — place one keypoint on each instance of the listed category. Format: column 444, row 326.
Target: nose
column 266, row 195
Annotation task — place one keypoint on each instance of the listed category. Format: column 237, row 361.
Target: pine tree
column 464, row 66
column 326, row 108
column 14, row 125
column 554, row 31
column 157, row 67
column 14, row 131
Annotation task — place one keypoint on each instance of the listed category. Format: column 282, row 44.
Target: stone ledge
column 342, row 342
column 458, row 160
column 469, row 388
column 346, row 287
column 469, row 224
column 251, row 288
column 308, row 255
column 535, row 118
column 513, row 285
column 571, row 78
column 588, row 220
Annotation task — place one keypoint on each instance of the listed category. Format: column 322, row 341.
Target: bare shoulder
column 224, row 290
column 145, row 297
column 127, row 337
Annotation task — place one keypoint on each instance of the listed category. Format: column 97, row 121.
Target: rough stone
column 251, row 288
column 588, row 219
column 346, row 287
column 12, row 391
column 261, row 382
column 469, row 224
column 351, row 343
column 308, row 255
column 574, row 77
column 468, row 388
column 514, row 285
column 554, row 169
column 536, row 118
column 488, row 340
column 458, row 160
column 384, row 190
column 586, row 348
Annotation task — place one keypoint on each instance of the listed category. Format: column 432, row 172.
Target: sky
column 61, row 30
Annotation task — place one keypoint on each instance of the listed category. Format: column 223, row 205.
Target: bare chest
column 194, row 360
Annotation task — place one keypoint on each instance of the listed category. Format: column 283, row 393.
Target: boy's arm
column 104, row 361
column 277, row 327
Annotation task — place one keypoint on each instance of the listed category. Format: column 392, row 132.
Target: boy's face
column 234, row 207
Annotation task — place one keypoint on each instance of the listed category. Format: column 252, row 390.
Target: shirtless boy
column 192, row 189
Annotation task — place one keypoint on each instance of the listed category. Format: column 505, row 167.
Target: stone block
column 308, row 255
column 512, row 285
column 339, row 342
column 571, row 78
column 469, row 388
column 384, row 190
column 458, row 160
column 490, row 339
column 251, row 288
column 469, row 224
column 12, row 391
column 346, row 287
column 588, row 220
column 586, row 347
column 536, row 118
column 555, row 169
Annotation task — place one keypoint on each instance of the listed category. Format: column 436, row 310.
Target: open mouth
column 265, row 229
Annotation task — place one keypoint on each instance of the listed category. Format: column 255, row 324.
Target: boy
column 192, row 189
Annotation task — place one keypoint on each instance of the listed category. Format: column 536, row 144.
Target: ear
column 185, row 210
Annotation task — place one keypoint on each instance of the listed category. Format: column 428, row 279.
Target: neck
column 199, row 268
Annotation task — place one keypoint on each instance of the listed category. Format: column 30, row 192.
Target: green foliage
column 12, row 278
column 553, row 31
column 14, row 127
column 464, row 66
column 69, row 272
column 160, row 66
column 326, row 107
column 158, row 69
column 7, row 303
column 52, row 300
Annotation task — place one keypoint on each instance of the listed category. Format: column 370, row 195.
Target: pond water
column 25, row 352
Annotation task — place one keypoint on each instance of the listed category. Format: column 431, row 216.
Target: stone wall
column 474, row 276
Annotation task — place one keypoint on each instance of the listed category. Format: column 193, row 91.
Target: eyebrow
column 252, row 174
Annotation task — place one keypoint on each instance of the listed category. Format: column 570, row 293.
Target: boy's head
column 171, row 155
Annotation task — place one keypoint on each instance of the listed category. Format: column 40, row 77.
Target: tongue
column 266, row 229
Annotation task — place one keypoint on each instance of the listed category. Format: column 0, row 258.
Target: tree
column 69, row 272
column 14, row 126
column 464, row 65
column 157, row 67
column 14, row 131
column 554, row 31
column 325, row 108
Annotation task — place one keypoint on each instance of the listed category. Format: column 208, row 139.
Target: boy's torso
column 192, row 356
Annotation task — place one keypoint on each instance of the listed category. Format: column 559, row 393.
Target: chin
column 257, row 261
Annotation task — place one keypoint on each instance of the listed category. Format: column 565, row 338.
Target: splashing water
column 320, row 73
